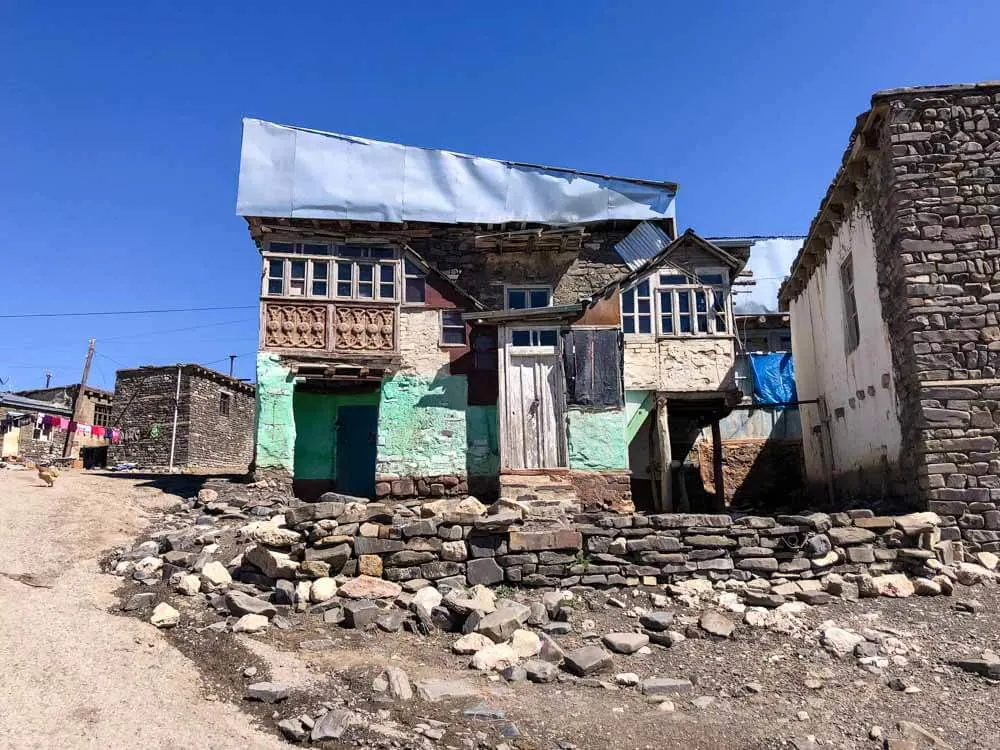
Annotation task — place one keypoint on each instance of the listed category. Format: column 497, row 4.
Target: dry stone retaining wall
column 605, row 550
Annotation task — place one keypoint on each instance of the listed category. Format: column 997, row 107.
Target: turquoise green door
column 357, row 433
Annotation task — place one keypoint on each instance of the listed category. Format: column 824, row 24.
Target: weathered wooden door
column 533, row 425
column 11, row 442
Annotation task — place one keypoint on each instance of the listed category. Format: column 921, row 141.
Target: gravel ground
column 100, row 679
column 75, row 676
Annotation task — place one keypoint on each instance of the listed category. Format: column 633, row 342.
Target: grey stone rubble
column 308, row 567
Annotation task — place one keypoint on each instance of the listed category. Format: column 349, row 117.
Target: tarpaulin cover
column 308, row 174
column 773, row 378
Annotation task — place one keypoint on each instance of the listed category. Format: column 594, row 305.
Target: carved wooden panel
column 365, row 329
column 295, row 326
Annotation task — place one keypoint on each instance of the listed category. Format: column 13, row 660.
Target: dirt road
column 73, row 675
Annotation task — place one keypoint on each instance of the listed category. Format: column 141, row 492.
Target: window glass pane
column 666, row 312
column 350, row 251
column 310, row 249
column 366, row 289
column 643, row 288
column 411, row 269
column 452, row 335
column 320, row 270
column 719, row 306
column 414, row 290
column 520, row 338
column 711, row 278
column 644, row 306
column 684, row 303
column 645, row 324
column 343, row 288
column 275, row 268
column 297, row 287
column 673, row 278
column 452, row 318
column 701, row 305
column 366, row 272
column 298, row 269
column 516, row 300
column 628, row 324
column 280, row 247
column 548, row 338
column 344, row 271
column 274, row 286
column 628, row 301
column 387, row 273
column 382, row 253
column 539, row 297
column 319, row 289
column 684, row 312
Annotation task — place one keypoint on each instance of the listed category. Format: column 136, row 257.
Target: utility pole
column 78, row 399
column 232, row 362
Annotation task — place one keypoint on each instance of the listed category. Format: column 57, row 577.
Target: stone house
column 438, row 324
column 894, row 312
column 185, row 417
column 37, row 438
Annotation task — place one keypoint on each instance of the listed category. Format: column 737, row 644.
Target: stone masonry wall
column 215, row 440
column 457, row 541
column 940, row 160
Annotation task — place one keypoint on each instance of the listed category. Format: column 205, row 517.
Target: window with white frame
column 358, row 272
column 414, row 283
column 686, row 304
column 529, row 298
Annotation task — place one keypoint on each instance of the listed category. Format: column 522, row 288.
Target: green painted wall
column 597, row 440
column 275, row 414
column 482, row 427
column 421, row 425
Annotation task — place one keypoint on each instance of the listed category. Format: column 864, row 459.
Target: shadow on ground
column 181, row 485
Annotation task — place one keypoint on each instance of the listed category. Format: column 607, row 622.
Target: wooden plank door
column 533, row 425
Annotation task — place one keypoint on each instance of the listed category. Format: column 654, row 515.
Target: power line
column 128, row 312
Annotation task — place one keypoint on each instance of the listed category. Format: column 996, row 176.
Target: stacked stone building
column 894, row 302
column 183, row 417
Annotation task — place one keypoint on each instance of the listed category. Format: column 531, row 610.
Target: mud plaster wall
column 864, row 428
column 677, row 364
column 275, row 414
column 758, row 473
column 597, row 439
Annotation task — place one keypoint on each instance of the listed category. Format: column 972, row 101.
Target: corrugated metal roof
column 642, row 243
column 30, row 404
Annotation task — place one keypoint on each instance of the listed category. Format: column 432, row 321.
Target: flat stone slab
column 665, row 686
column 441, row 690
column 268, row 692
column 989, row 669
column 366, row 587
column 625, row 643
column 541, row 671
column 243, row 604
column 716, row 623
column 331, row 725
column 500, row 625
column 587, row 660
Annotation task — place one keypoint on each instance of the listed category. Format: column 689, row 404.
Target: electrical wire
column 128, row 312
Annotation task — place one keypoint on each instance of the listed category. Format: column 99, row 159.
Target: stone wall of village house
column 942, row 150
column 218, row 441
column 857, row 438
column 144, row 400
column 678, row 364
column 483, row 273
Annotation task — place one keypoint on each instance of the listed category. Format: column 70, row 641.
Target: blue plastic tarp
column 773, row 379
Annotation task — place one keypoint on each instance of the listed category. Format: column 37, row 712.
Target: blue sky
column 120, row 134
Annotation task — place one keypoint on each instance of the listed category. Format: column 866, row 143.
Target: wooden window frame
column 452, row 326
column 659, row 288
column 333, row 263
column 225, row 404
column 852, row 319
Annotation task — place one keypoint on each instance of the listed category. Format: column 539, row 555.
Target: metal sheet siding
column 641, row 244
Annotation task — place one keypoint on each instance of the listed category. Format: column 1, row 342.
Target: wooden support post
column 720, row 481
column 78, row 400
column 666, row 472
